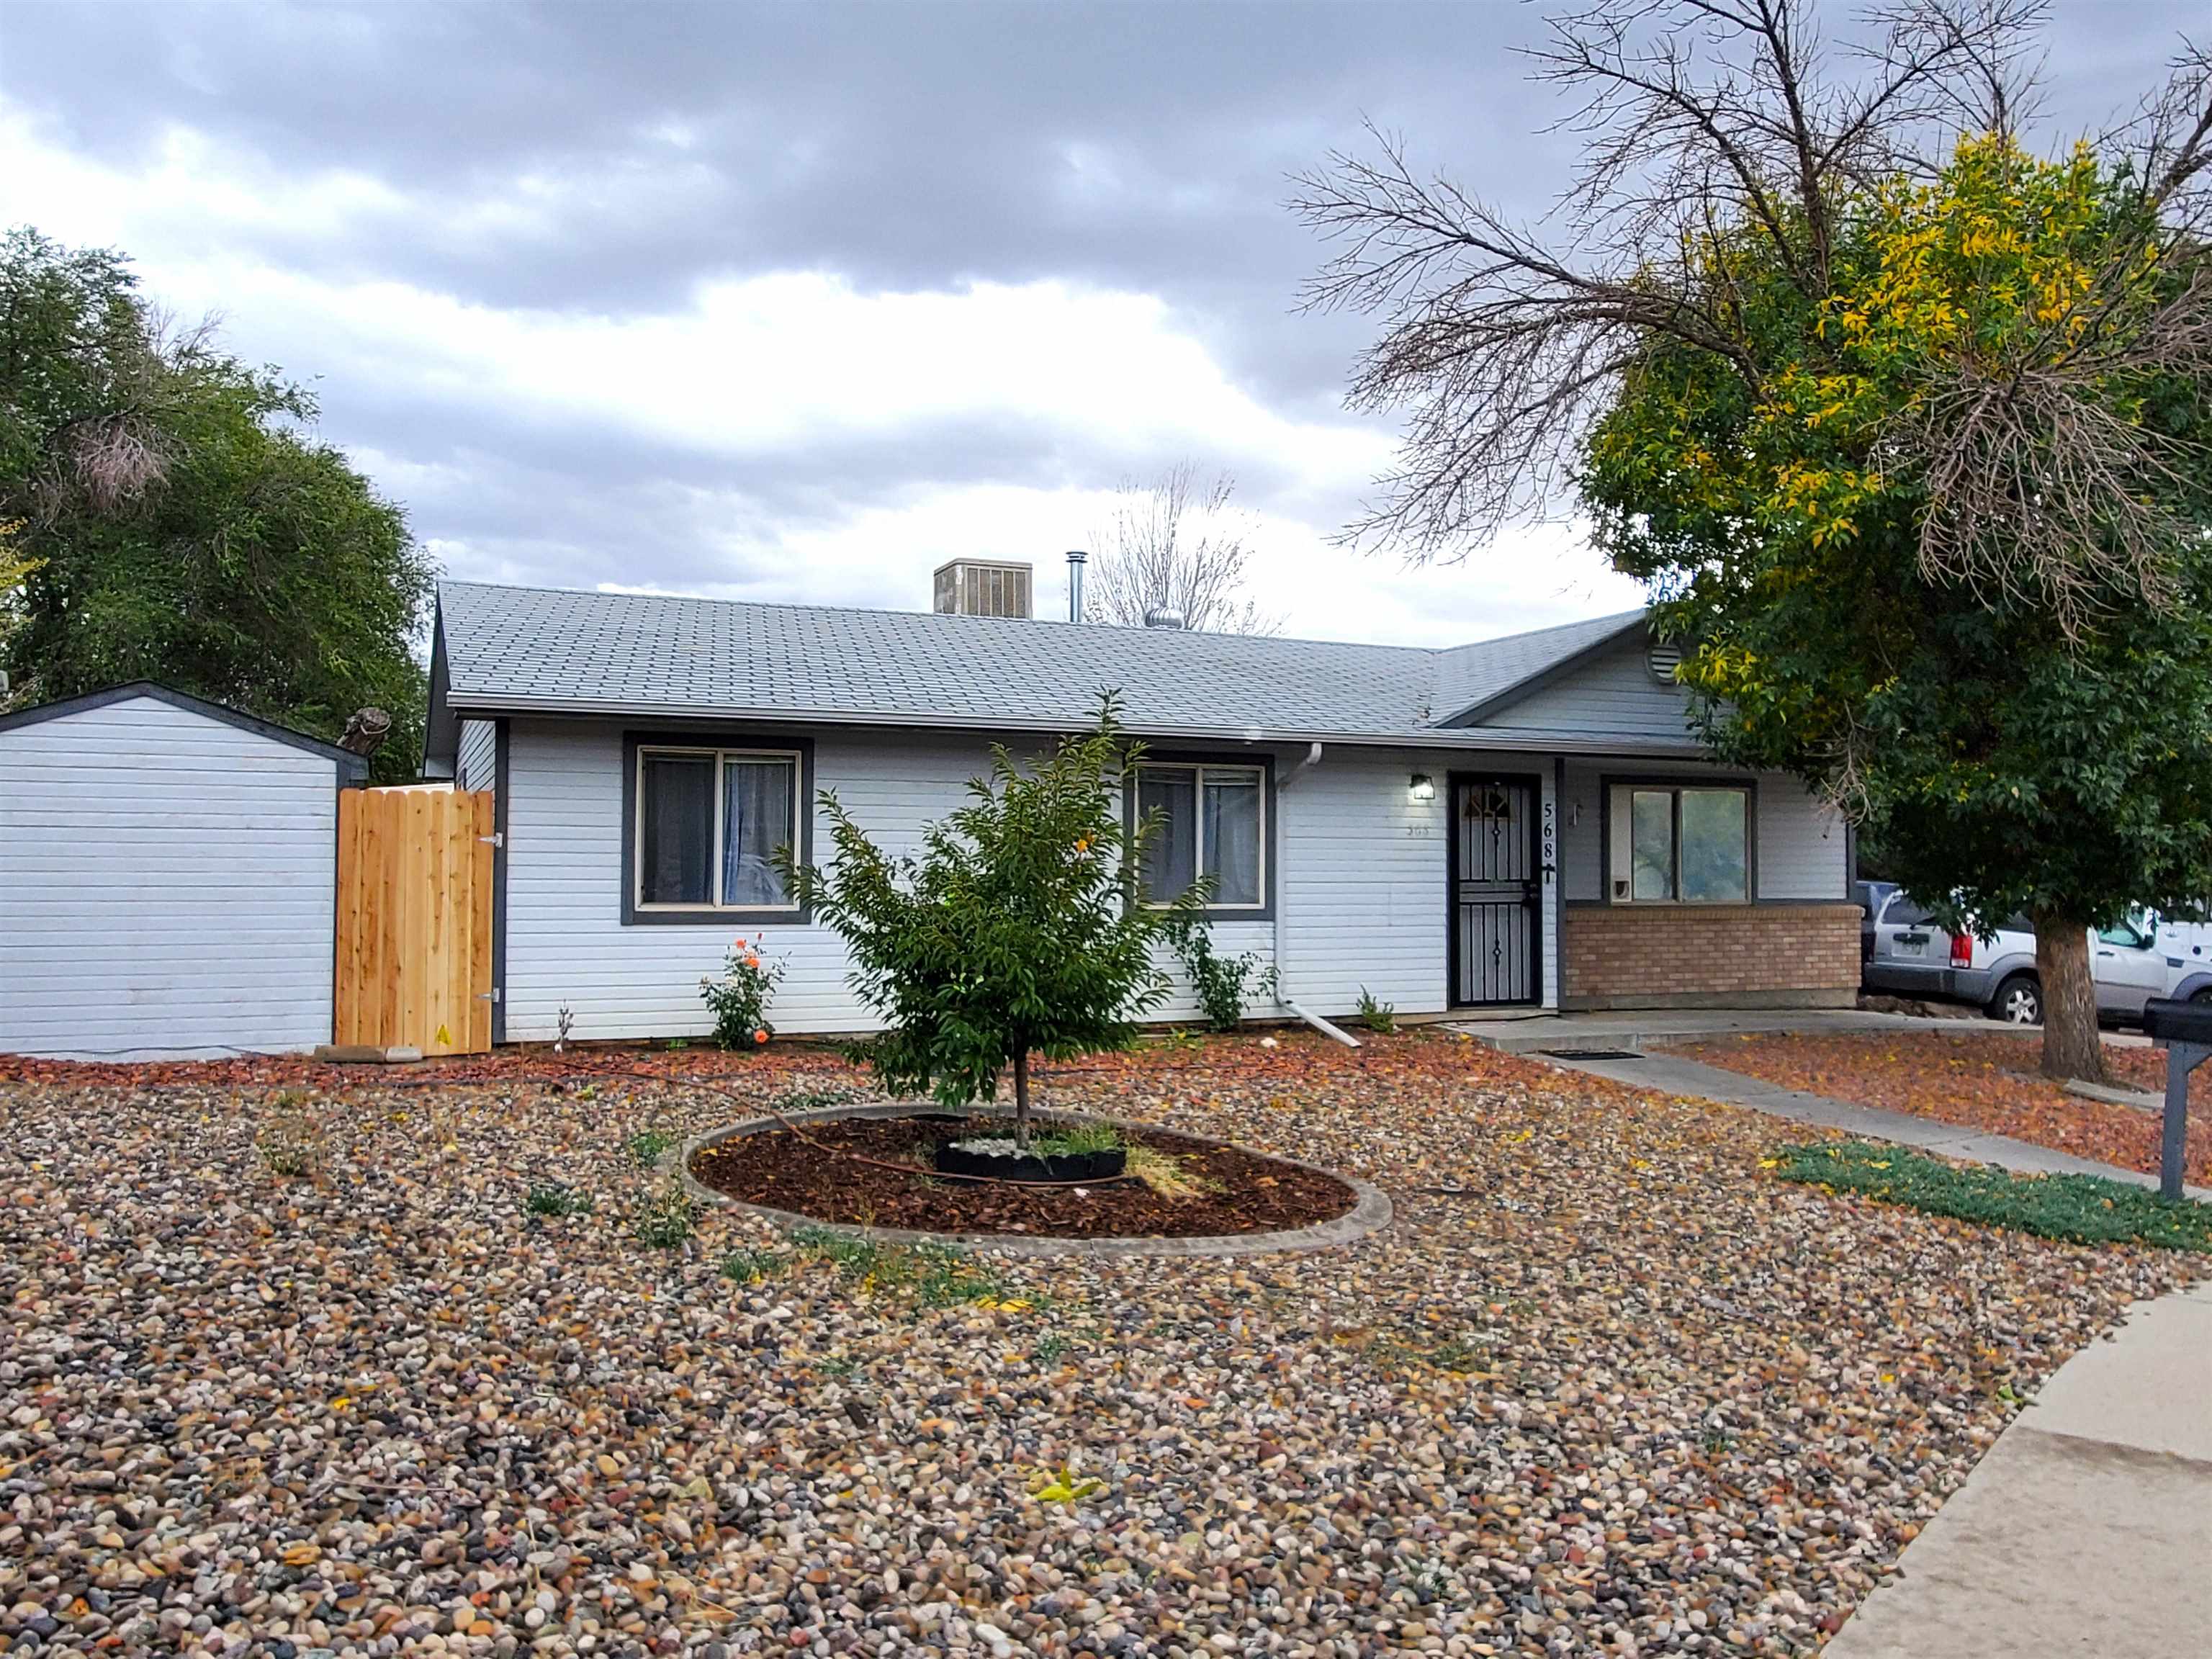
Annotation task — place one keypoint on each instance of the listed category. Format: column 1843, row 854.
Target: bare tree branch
column 1705, row 121
column 1178, row 546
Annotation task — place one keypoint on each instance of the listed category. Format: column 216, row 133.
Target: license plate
column 1912, row 944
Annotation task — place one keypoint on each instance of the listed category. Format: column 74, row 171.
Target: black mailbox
column 2168, row 1021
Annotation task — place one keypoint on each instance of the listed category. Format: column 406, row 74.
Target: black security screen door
column 1496, row 891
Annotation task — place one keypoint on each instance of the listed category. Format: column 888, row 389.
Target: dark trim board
column 1265, row 760
column 1453, row 781
column 352, row 769
column 708, row 737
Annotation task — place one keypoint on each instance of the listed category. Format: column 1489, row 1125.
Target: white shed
column 167, row 879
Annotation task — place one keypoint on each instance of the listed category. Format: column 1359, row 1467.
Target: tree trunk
column 1021, row 1099
column 2071, row 1047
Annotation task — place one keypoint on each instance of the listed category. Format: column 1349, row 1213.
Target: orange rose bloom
column 760, row 1036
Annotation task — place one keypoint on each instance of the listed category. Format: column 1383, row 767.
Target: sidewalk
column 2088, row 1527
column 1673, row 1074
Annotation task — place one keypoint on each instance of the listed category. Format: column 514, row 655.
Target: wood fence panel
column 413, row 962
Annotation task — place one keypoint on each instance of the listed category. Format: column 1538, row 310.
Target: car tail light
column 1962, row 950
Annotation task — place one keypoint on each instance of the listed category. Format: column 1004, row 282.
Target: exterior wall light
column 1424, row 786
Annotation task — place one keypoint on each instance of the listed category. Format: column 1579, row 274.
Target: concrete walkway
column 1530, row 1031
column 2086, row 1528
column 1674, row 1075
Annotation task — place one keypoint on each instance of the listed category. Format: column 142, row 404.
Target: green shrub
column 648, row 1146
column 1217, row 980
column 1015, row 931
column 2083, row 1209
column 554, row 1198
column 738, row 999
column 290, row 1141
column 664, row 1216
column 1380, row 1017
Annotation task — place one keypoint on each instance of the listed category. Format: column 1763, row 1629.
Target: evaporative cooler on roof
column 982, row 587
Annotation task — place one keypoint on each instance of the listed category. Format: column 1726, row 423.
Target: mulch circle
column 1246, row 1193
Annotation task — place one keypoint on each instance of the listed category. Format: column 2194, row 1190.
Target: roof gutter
column 1543, row 740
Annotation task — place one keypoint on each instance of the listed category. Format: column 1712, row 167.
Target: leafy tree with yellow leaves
column 1908, row 432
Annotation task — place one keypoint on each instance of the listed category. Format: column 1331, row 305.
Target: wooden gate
column 414, row 921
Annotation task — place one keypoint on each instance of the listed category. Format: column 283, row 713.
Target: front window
column 1675, row 844
column 709, row 822
column 1209, row 821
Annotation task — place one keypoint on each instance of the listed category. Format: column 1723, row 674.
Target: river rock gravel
column 1604, row 1387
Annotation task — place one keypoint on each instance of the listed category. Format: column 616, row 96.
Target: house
column 1525, row 821
column 167, row 879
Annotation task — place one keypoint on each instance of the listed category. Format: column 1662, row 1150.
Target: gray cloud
column 633, row 151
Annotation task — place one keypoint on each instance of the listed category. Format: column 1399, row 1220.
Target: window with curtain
column 708, row 824
column 1680, row 844
column 1212, row 822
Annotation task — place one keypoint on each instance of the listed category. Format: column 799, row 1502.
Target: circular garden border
column 1370, row 1212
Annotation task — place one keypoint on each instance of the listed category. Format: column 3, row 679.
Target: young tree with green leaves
column 172, row 519
column 1016, row 932
column 1906, row 433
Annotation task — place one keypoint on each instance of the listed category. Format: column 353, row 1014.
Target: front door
column 1497, row 894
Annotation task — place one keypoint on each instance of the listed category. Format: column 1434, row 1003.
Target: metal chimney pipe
column 1076, row 560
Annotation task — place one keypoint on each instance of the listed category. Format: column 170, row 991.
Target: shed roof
column 510, row 650
column 352, row 767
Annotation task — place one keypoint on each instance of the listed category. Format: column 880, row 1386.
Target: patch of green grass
column 750, row 1266
column 648, row 1146
column 2080, row 1209
column 932, row 1275
column 1050, row 1348
column 555, row 1198
column 1078, row 1139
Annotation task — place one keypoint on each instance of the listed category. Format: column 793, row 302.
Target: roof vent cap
column 1665, row 658
column 1163, row 616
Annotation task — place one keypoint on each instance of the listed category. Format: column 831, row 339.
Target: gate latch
column 494, row 839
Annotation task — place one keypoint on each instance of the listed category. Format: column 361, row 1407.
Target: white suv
column 1914, row 958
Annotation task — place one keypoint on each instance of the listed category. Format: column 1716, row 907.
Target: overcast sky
column 795, row 302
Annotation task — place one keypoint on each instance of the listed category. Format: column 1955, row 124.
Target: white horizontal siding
column 1360, row 880
column 475, row 765
column 566, row 943
column 1366, row 884
column 1801, row 850
column 167, row 886
column 1614, row 691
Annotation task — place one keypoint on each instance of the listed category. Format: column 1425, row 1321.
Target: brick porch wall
column 1621, row 956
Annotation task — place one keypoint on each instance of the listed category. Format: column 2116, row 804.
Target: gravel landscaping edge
column 1370, row 1213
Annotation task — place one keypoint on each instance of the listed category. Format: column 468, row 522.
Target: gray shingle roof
column 517, row 649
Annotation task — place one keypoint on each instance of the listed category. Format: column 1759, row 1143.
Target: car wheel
column 2204, row 995
column 2019, row 1001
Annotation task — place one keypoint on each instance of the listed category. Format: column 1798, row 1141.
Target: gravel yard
column 1605, row 1386
column 1986, row 1080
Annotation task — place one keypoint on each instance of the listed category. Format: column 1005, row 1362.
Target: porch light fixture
column 1424, row 786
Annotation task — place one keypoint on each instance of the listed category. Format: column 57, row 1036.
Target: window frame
column 1628, row 784
column 637, row 748
column 1198, row 765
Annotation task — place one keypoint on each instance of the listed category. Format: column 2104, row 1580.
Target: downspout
column 1283, row 999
